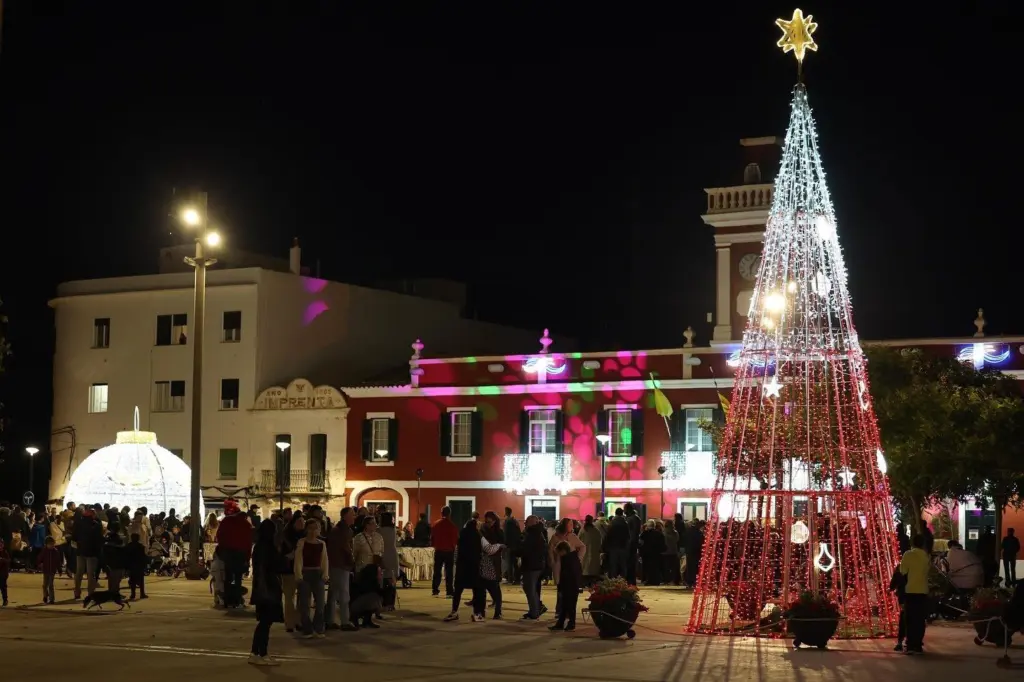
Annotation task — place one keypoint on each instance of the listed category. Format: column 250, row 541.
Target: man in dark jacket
column 234, row 539
column 1010, row 548
column 533, row 553
column 88, row 538
column 340, row 563
column 616, row 545
column 421, row 534
column 634, row 522
column 513, row 538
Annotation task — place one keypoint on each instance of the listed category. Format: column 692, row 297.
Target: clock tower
column 738, row 214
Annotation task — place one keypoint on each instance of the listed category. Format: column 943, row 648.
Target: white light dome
column 134, row 472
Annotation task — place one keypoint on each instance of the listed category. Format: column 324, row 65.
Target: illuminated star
column 796, row 35
column 847, row 476
column 772, row 388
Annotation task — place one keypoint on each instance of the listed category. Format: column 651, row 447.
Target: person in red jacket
column 234, row 539
column 444, row 537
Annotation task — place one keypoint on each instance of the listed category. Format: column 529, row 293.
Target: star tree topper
column 796, row 35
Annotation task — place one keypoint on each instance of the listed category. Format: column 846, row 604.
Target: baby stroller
column 950, row 601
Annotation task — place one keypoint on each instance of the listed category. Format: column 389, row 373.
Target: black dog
column 100, row 597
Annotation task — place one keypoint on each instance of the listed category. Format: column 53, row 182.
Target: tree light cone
column 801, row 441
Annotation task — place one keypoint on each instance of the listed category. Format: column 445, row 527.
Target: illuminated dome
column 134, row 472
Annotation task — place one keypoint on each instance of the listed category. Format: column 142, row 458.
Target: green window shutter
column 229, row 462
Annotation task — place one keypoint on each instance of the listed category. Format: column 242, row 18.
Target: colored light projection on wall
column 546, row 366
column 315, row 308
column 981, row 354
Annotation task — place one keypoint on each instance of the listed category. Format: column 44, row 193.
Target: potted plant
column 812, row 619
column 614, row 607
column 986, row 605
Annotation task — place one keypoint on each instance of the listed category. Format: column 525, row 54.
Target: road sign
column 28, row 498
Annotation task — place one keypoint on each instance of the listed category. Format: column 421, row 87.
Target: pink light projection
column 545, row 365
column 313, row 311
column 313, row 285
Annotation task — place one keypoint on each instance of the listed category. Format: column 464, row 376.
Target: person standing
column 234, row 538
column 570, row 581
column 513, row 539
column 635, row 527
column 421, row 534
column 311, row 566
column 88, row 539
column 467, row 566
column 916, row 565
column 48, row 561
column 1011, row 548
column 616, row 545
column 986, row 549
column 340, row 564
column 266, row 592
column 590, row 535
column 533, row 552
column 444, row 537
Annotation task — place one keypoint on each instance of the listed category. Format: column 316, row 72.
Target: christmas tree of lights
column 801, row 502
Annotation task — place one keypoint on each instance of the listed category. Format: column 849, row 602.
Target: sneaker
column 319, row 635
column 451, row 617
column 435, row 594
column 543, row 610
column 254, row 659
column 913, row 652
column 371, row 624
column 898, row 648
column 571, row 627
column 556, row 627
column 268, row 661
column 478, row 618
column 496, row 616
column 308, row 636
column 348, row 627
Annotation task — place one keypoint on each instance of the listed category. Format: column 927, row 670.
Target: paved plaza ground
column 176, row 635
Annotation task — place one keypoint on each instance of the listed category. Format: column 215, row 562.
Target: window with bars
column 543, row 432
column 462, row 433
column 169, row 396
column 697, row 439
column 379, row 440
column 98, row 395
column 620, row 427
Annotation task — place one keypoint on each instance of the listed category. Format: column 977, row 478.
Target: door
column 317, row 462
column 975, row 521
column 545, row 508
column 390, row 506
column 694, row 511
column 462, row 511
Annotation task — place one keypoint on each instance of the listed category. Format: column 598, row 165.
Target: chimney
column 295, row 258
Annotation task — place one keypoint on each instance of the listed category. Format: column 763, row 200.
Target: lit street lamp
column 197, row 217
column 602, row 450
column 282, row 446
column 31, row 465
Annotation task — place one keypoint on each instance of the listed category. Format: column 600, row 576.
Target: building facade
column 127, row 342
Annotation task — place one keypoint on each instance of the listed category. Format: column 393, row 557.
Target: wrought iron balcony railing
column 295, row 481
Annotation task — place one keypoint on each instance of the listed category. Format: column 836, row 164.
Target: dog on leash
column 100, row 597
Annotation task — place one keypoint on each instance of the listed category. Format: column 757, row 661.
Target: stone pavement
column 176, row 635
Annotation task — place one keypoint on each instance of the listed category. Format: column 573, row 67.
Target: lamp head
column 31, row 450
column 381, row 453
column 603, row 438
column 282, row 445
column 191, row 217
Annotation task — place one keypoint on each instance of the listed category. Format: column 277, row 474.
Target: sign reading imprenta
column 300, row 395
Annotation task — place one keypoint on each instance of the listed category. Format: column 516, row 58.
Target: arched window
column 752, row 174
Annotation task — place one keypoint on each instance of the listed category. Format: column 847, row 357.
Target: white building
column 125, row 342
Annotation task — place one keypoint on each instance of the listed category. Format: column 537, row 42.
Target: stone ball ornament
column 134, row 472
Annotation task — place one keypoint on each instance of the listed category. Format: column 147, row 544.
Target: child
column 570, row 580
column 48, row 562
column 217, row 580
column 135, row 561
column 898, row 584
column 5, row 569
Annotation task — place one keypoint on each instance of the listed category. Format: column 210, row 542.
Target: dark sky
column 551, row 154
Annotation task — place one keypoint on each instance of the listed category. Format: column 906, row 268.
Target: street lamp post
column 198, row 217
column 602, row 450
column 31, row 466
column 419, row 480
column 661, row 472
column 282, row 446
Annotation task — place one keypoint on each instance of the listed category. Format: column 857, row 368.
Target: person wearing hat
column 234, row 539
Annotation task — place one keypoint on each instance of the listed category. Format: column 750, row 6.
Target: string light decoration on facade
column 543, row 472
column 981, row 354
column 134, row 472
column 801, row 502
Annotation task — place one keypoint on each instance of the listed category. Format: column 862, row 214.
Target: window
column 101, row 332
column 620, row 427
column 232, row 326
column 229, row 394
column 228, row 463
column 752, row 174
column 543, row 431
column 283, row 461
column 379, row 451
column 317, row 461
column 697, row 439
column 462, row 433
column 169, row 396
column 180, row 452
column 98, row 398
column 172, row 330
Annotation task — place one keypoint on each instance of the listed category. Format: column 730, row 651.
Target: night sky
column 550, row 154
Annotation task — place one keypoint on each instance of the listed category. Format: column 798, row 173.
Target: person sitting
column 965, row 569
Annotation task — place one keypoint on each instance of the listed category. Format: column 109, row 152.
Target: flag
column 662, row 405
column 724, row 402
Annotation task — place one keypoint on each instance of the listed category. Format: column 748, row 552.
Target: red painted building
column 483, row 433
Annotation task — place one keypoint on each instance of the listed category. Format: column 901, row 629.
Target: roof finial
column 545, row 341
column 415, row 371
column 136, row 419
column 688, row 335
column 979, row 322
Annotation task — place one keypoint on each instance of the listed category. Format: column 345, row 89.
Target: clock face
column 749, row 265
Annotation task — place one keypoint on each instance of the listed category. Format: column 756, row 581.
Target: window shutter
column 678, row 422
column 367, row 439
column 393, row 440
column 476, row 434
column 636, row 425
column 602, row 429
column 445, row 440
column 559, row 432
column 524, row 431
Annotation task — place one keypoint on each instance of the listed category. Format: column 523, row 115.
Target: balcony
column 545, row 473
column 296, row 481
column 738, row 199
